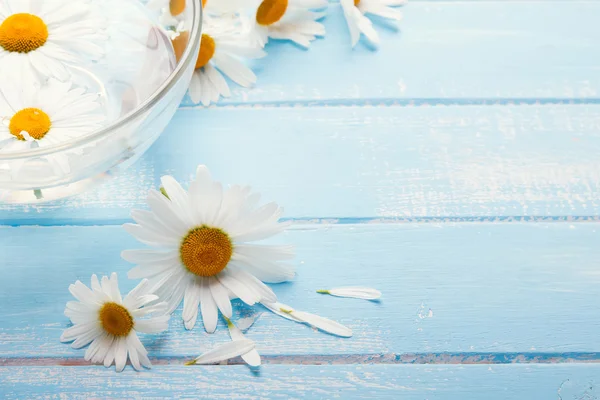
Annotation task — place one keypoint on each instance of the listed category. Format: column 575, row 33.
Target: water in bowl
column 134, row 60
column 138, row 60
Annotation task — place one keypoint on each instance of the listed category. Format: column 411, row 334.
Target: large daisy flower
column 47, row 36
column 223, row 49
column 355, row 12
column 203, row 252
column 288, row 20
column 110, row 323
column 32, row 116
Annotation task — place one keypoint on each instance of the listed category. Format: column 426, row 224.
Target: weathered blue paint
column 454, row 382
column 489, row 288
column 456, row 170
column 401, row 162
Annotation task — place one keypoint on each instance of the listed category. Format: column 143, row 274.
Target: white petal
column 319, row 322
column 252, row 358
column 276, row 308
column 121, row 353
column 246, row 294
column 221, row 297
column 153, row 325
column 354, row 292
column 265, row 292
column 210, row 313
column 225, row 352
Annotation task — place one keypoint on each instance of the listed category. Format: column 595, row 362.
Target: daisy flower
column 32, row 116
column 203, row 247
column 288, row 20
column 222, row 51
column 110, row 323
column 355, row 12
column 47, row 36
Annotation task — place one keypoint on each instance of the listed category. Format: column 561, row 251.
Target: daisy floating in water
column 48, row 36
column 32, row 117
column 223, row 50
column 288, row 20
column 204, row 251
column 355, row 12
column 110, row 323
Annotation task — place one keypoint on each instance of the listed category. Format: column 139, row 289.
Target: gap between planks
column 299, row 222
column 406, row 358
column 396, row 102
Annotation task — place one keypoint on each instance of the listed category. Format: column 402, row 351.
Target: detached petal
column 252, row 358
column 225, row 352
column 321, row 323
column 353, row 292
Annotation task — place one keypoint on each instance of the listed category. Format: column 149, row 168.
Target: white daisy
column 203, row 247
column 288, row 20
column 101, row 317
column 222, row 50
column 355, row 12
column 48, row 36
column 32, row 116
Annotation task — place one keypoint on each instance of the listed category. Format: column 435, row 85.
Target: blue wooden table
column 456, row 170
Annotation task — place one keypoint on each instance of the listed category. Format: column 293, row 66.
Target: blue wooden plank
column 508, row 382
column 444, row 50
column 459, row 288
column 391, row 162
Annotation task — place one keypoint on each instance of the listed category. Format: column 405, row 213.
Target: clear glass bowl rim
column 186, row 59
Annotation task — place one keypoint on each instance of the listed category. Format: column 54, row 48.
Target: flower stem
column 323, row 291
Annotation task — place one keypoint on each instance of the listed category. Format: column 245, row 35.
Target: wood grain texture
column 457, row 288
column 498, row 382
column 394, row 162
column 449, row 50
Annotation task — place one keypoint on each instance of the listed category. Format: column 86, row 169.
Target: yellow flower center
column 271, row 11
column 31, row 120
column 205, row 251
column 115, row 319
column 176, row 7
column 207, row 50
column 356, row 3
column 179, row 44
column 22, row 33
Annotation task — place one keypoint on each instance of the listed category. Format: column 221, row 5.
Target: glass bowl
column 94, row 158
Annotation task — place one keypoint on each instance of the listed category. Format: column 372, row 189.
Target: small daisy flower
column 355, row 12
column 47, row 36
column 222, row 52
column 110, row 323
column 204, row 247
column 32, row 116
column 288, row 20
